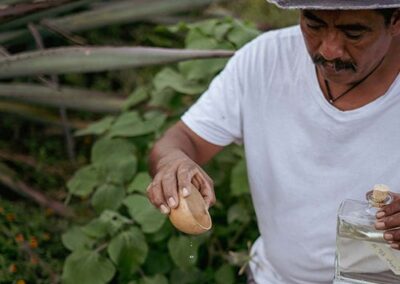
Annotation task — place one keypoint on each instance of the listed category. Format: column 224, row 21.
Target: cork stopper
column 380, row 193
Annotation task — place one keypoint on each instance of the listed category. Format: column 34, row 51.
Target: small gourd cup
column 191, row 216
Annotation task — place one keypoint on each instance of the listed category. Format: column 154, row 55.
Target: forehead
column 367, row 17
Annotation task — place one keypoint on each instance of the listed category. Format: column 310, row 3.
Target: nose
column 331, row 46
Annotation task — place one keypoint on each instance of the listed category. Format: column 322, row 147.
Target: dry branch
column 23, row 189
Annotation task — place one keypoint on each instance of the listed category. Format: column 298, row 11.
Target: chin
column 340, row 77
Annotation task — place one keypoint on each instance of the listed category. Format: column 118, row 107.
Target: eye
column 314, row 27
column 353, row 34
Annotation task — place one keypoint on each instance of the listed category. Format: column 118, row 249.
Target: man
column 317, row 107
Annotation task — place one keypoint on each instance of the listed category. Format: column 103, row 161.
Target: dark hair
column 387, row 14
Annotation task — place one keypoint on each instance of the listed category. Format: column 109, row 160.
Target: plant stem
column 63, row 113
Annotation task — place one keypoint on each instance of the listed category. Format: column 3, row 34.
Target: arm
column 175, row 162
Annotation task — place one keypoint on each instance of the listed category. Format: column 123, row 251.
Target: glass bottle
column 362, row 254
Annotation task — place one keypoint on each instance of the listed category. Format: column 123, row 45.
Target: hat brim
column 336, row 4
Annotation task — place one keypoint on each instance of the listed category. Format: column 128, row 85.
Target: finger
column 196, row 182
column 170, row 189
column 389, row 222
column 395, row 246
column 206, row 188
column 396, row 196
column 156, row 197
column 390, row 209
column 184, row 179
column 392, row 236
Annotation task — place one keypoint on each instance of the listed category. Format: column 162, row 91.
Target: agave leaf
column 38, row 114
column 8, row 2
column 66, row 97
column 89, row 59
column 23, row 20
column 120, row 12
column 117, row 12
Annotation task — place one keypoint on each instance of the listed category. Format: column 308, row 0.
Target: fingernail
column 185, row 192
column 380, row 214
column 164, row 209
column 379, row 225
column 388, row 237
column 171, row 202
column 395, row 246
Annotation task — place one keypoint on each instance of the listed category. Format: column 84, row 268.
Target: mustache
column 337, row 63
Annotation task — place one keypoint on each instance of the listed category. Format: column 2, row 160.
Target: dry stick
column 63, row 112
column 23, row 189
column 3, row 52
column 64, row 33
column 27, row 160
column 18, row 10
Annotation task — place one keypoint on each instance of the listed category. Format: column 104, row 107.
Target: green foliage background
column 128, row 237
column 117, row 236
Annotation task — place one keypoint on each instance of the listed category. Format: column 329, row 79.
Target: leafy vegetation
column 97, row 225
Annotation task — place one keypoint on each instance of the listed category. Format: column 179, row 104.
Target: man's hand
column 174, row 173
column 388, row 219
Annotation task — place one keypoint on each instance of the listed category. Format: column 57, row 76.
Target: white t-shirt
column 304, row 156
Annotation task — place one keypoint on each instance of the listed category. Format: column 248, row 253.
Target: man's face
column 345, row 45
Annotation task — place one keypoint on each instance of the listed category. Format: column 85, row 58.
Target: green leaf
column 198, row 40
column 143, row 212
column 139, row 95
column 108, row 196
column 76, row 239
column 187, row 276
column 221, row 30
column 162, row 98
column 114, row 159
column 157, row 279
column 203, row 70
column 108, row 223
column 239, row 181
column 225, row 275
column 169, row 78
column 206, row 27
column 83, row 181
column 241, row 34
column 183, row 251
column 139, row 183
column 97, row 128
column 158, row 262
column 87, row 267
column 238, row 212
column 162, row 234
column 128, row 125
column 128, row 250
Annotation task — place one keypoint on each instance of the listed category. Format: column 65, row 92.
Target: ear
column 395, row 23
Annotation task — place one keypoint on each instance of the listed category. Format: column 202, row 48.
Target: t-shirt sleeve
column 216, row 116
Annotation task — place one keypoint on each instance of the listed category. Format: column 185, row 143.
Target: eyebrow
column 349, row 27
column 312, row 17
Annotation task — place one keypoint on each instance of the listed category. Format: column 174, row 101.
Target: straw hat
column 336, row 4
